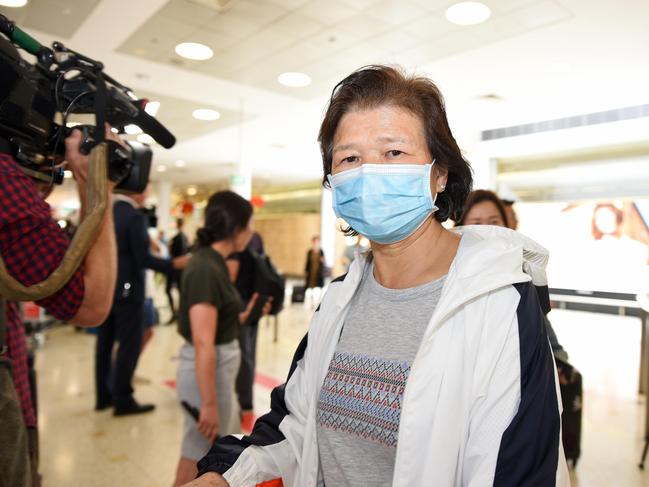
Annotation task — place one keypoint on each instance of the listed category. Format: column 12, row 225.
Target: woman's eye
column 350, row 160
column 394, row 153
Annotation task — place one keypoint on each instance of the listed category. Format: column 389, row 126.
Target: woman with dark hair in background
column 428, row 363
column 209, row 320
column 483, row 207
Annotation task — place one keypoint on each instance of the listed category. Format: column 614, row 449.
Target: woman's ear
column 438, row 179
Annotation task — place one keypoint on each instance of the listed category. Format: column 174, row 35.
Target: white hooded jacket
column 481, row 405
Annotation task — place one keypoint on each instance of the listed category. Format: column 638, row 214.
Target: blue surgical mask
column 384, row 202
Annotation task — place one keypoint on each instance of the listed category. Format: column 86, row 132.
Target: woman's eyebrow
column 378, row 139
column 391, row 139
column 344, row 147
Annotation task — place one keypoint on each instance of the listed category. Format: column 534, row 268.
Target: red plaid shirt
column 32, row 246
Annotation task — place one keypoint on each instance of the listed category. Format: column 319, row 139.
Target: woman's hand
column 210, row 479
column 267, row 307
column 243, row 316
column 208, row 421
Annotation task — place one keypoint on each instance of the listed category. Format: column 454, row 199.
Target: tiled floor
column 83, row 448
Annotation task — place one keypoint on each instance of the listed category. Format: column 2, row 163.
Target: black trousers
column 246, row 375
column 173, row 280
column 125, row 324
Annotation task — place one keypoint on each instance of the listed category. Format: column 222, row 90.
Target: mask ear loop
column 429, row 183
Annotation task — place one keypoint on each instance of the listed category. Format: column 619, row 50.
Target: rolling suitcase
column 299, row 292
column 570, row 384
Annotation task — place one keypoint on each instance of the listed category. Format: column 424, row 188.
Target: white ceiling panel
column 540, row 14
column 360, row 4
column 395, row 41
column 61, row 18
column 327, row 12
column 297, row 26
column 362, row 26
column 188, row 12
column 258, row 12
column 432, row 26
column 394, row 13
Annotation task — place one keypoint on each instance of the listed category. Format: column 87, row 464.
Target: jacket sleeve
column 515, row 423
column 271, row 451
column 140, row 248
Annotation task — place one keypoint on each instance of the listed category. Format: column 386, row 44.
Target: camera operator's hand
column 100, row 264
column 78, row 162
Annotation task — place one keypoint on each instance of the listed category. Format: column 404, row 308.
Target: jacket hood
column 508, row 250
column 487, row 259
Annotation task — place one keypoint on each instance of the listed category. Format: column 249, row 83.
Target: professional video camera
column 36, row 101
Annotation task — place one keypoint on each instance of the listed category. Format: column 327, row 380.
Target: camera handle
column 13, row 290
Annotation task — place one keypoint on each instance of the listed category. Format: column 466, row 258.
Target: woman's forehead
column 383, row 124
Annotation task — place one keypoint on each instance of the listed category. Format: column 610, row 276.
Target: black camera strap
column 100, row 109
column 5, row 146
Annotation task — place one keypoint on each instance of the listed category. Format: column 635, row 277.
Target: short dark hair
column 379, row 85
column 480, row 196
column 226, row 214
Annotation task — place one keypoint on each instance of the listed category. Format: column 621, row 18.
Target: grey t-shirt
column 360, row 401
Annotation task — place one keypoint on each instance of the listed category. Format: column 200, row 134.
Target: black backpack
column 268, row 282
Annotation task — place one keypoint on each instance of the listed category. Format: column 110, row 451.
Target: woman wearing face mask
column 427, row 364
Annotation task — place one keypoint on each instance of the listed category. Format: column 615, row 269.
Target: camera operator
column 32, row 246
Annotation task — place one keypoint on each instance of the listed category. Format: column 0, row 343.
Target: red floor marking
column 267, row 381
column 247, row 422
column 262, row 380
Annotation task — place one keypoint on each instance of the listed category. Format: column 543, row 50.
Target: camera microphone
column 155, row 129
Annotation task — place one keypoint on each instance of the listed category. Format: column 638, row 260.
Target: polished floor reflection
column 80, row 447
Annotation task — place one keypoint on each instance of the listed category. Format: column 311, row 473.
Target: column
column 163, row 194
column 327, row 228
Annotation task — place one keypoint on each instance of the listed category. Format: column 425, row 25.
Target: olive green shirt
column 206, row 280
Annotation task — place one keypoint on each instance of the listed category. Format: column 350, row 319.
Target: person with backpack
column 243, row 271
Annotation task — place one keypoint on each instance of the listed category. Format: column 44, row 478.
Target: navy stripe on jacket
column 529, row 448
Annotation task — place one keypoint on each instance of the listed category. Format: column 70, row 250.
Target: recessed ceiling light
column 180, row 163
column 146, row 139
column 191, row 191
column 152, row 108
column 161, row 168
column 132, row 130
column 13, row 3
column 206, row 114
column 468, row 13
column 294, row 79
column 194, row 50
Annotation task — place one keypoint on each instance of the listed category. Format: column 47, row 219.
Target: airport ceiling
column 531, row 60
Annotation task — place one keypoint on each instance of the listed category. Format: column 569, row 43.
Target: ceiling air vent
column 489, row 97
column 218, row 5
column 596, row 118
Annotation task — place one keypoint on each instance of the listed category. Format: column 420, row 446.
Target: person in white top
column 459, row 392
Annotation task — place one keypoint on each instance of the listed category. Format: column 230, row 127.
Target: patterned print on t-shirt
column 362, row 396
